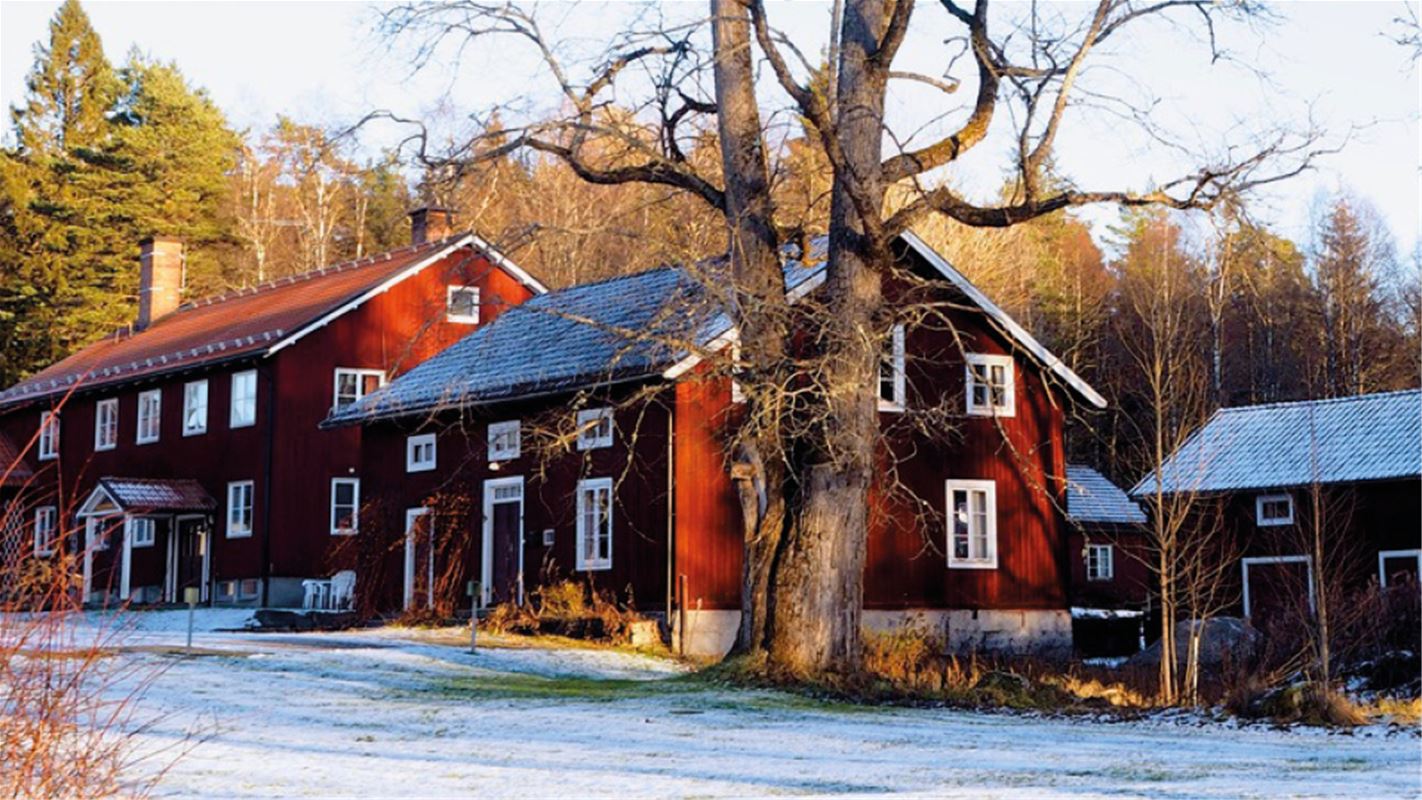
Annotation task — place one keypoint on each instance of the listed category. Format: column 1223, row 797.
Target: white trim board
column 1265, row 560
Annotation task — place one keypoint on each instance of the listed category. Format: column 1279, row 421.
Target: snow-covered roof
column 1343, row 440
column 625, row 328
column 1093, row 498
column 148, row 494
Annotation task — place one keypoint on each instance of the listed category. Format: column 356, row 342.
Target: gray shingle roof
column 1092, row 497
column 1347, row 439
column 621, row 329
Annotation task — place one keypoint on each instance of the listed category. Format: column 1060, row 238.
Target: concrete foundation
column 710, row 634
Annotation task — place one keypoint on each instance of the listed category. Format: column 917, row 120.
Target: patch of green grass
column 521, row 686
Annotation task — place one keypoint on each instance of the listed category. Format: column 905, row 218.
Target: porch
column 146, row 540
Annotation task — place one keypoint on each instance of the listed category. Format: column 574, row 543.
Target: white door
column 415, row 542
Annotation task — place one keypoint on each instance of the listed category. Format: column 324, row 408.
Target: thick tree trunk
column 818, row 581
column 760, row 311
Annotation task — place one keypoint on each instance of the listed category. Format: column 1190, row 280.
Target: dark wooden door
column 507, row 522
column 192, row 544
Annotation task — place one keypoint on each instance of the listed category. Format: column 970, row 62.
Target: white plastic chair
column 316, row 594
column 342, row 589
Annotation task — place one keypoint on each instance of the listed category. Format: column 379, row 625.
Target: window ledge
column 972, row 564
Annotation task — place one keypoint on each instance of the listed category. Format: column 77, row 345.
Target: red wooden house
column 184, row 450
column 1269, row 475
column 581, row 440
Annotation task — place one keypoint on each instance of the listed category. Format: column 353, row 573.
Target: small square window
column 462, row 304
column 48, row 436
column 143, row 530
column 248, row 589
column 505, row 440
column 420, row 453
column 353, row 384
column 1274, row 509
column 989, row 385
column 226, row 591
column 594, row 428
column 1100, row 562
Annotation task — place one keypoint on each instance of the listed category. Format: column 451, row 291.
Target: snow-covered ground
column 390, row 713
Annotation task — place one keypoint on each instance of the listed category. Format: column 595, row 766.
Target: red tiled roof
column 157, row 494
column 14, row 469
column 241, row 323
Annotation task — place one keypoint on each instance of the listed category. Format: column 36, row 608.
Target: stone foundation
column 710, row 634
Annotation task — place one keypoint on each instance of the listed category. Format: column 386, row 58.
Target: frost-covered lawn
column 395, row 713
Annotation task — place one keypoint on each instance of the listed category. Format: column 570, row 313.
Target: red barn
column 583, row 442
column 186, row 447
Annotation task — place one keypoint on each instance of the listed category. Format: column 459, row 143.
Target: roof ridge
column 611, row 279
column 1352, row 398
column 306, row 275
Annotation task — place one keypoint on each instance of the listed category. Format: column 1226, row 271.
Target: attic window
column 1274, row 509
column 504, row 440
column 462, row 304
column 353, row 384
column 989, row 385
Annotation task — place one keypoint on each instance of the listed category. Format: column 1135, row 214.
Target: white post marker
column 190, row 596
column 472, row 589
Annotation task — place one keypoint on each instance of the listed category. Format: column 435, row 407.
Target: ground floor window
column 1100, row 562
column 972, row 524
column 46, row 522
column 144, row 531
column 594, row 524
column 345, row 506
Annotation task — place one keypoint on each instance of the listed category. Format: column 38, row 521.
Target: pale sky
column 323, row 62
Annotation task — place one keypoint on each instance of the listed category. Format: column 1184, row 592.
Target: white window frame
column 1246, row 563
column 234, row 531
column 46, row 525
column 106, row 419
column 358, row 373
column 984, row 561
column 589, row 420
column 496, row 433
column 1384, row 555
column 236, row 416
column 1273, row 522
column 1105, row 555
column 413, row 446
column 894, row 361
column 355, row 507
column 464, row 319
column 152, row 401
column 48, row 445
column 146, row 524
column 195, row 391
column 1008, row 407
column 587, row 487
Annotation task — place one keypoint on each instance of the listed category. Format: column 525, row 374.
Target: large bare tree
column 804, row 459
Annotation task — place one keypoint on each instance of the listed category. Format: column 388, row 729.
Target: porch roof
column 150, row 494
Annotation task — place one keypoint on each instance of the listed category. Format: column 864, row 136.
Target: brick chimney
column 160, row 278
column 430, row 224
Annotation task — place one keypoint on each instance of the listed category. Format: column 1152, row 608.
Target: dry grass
column 570, row 609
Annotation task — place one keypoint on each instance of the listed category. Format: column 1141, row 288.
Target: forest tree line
column 104, row 155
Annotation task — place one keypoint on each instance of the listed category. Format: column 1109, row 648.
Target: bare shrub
column 568, row 608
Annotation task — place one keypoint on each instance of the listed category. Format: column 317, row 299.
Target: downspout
column 268, row 487
column 671, row 508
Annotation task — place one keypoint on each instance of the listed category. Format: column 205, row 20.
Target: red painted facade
column 289, row 460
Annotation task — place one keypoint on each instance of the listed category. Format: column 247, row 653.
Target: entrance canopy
column 145, row 496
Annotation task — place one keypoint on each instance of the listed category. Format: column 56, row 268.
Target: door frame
column 1265, row 560
column 1385, row 555
column 175, row 548
column 408, row 595
column 486, row 568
